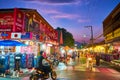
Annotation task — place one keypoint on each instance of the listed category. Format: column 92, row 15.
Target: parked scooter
column 41, row 74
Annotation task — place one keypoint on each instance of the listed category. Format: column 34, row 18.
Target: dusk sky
column 73, row 15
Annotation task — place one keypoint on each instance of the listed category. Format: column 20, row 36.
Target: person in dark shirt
column 97, row 59
column 41, row 66
column 40, row 58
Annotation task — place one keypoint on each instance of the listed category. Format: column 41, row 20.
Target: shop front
column 28, row 27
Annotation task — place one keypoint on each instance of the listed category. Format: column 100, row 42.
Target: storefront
column 29, row 27
column 111, row 29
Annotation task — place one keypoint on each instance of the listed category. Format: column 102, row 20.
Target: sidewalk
column 20, row 77
column 110, row 65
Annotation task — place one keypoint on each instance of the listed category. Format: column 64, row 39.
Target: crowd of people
column 69, row 60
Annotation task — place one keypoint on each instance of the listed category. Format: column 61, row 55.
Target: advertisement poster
column 31, row 25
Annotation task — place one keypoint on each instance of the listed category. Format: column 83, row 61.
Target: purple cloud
column 55, row 14
column 57, row 2
column 66, row 16
column 52, row 11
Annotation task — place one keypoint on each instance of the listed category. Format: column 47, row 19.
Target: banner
column 18, row 20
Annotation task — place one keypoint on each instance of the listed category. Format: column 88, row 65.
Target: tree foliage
column 68, row 39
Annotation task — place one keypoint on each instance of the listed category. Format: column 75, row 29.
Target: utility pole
column 92, row 41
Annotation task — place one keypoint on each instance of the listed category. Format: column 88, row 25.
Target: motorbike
column 55, row 62
column 40, row 74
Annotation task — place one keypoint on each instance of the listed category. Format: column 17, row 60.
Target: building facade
column 28, row 26
column 111, row 28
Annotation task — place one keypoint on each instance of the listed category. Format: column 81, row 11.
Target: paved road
column 80, row 72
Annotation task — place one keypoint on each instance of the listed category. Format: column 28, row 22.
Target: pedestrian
column 71, row 63
column 74, row 55
column 97, row 59
column 89, row 61
column 78, row 55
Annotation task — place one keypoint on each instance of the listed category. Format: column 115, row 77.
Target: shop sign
column 109, row 36
column 18, row 20
column 6, row 22
column 117, row 33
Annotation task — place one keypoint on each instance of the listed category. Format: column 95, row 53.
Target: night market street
column 59, row 39
column 81, row 73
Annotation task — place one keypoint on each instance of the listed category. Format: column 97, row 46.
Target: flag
column 61, row 38
column 15, row 35
column 5, row 35
column 26, row 35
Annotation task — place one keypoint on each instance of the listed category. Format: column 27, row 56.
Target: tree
column 68, row 39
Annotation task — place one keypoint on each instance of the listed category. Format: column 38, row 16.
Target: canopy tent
column 11, row 43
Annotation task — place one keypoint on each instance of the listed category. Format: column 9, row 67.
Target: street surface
column 79, row 72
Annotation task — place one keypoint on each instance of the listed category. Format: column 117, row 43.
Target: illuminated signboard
column 110, row 36
column 6, row 22
column 18, row 20
column 117, row 33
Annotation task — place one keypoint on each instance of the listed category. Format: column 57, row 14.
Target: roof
column 11, row 9
column 112, row 12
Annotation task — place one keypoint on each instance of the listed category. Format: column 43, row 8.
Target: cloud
column 55, row 14
column 83, row 20
column 51, row 11
column 57, row 2
column 65, row 16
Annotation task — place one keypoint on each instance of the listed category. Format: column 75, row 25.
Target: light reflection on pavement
column 79, row 72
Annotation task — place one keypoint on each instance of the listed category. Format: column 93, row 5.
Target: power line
column 101, row 35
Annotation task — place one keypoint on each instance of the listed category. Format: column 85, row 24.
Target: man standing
column 97, row 59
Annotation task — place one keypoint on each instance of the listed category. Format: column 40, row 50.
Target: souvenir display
column 23, row 61
column 30, row 60
column 17, row 62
